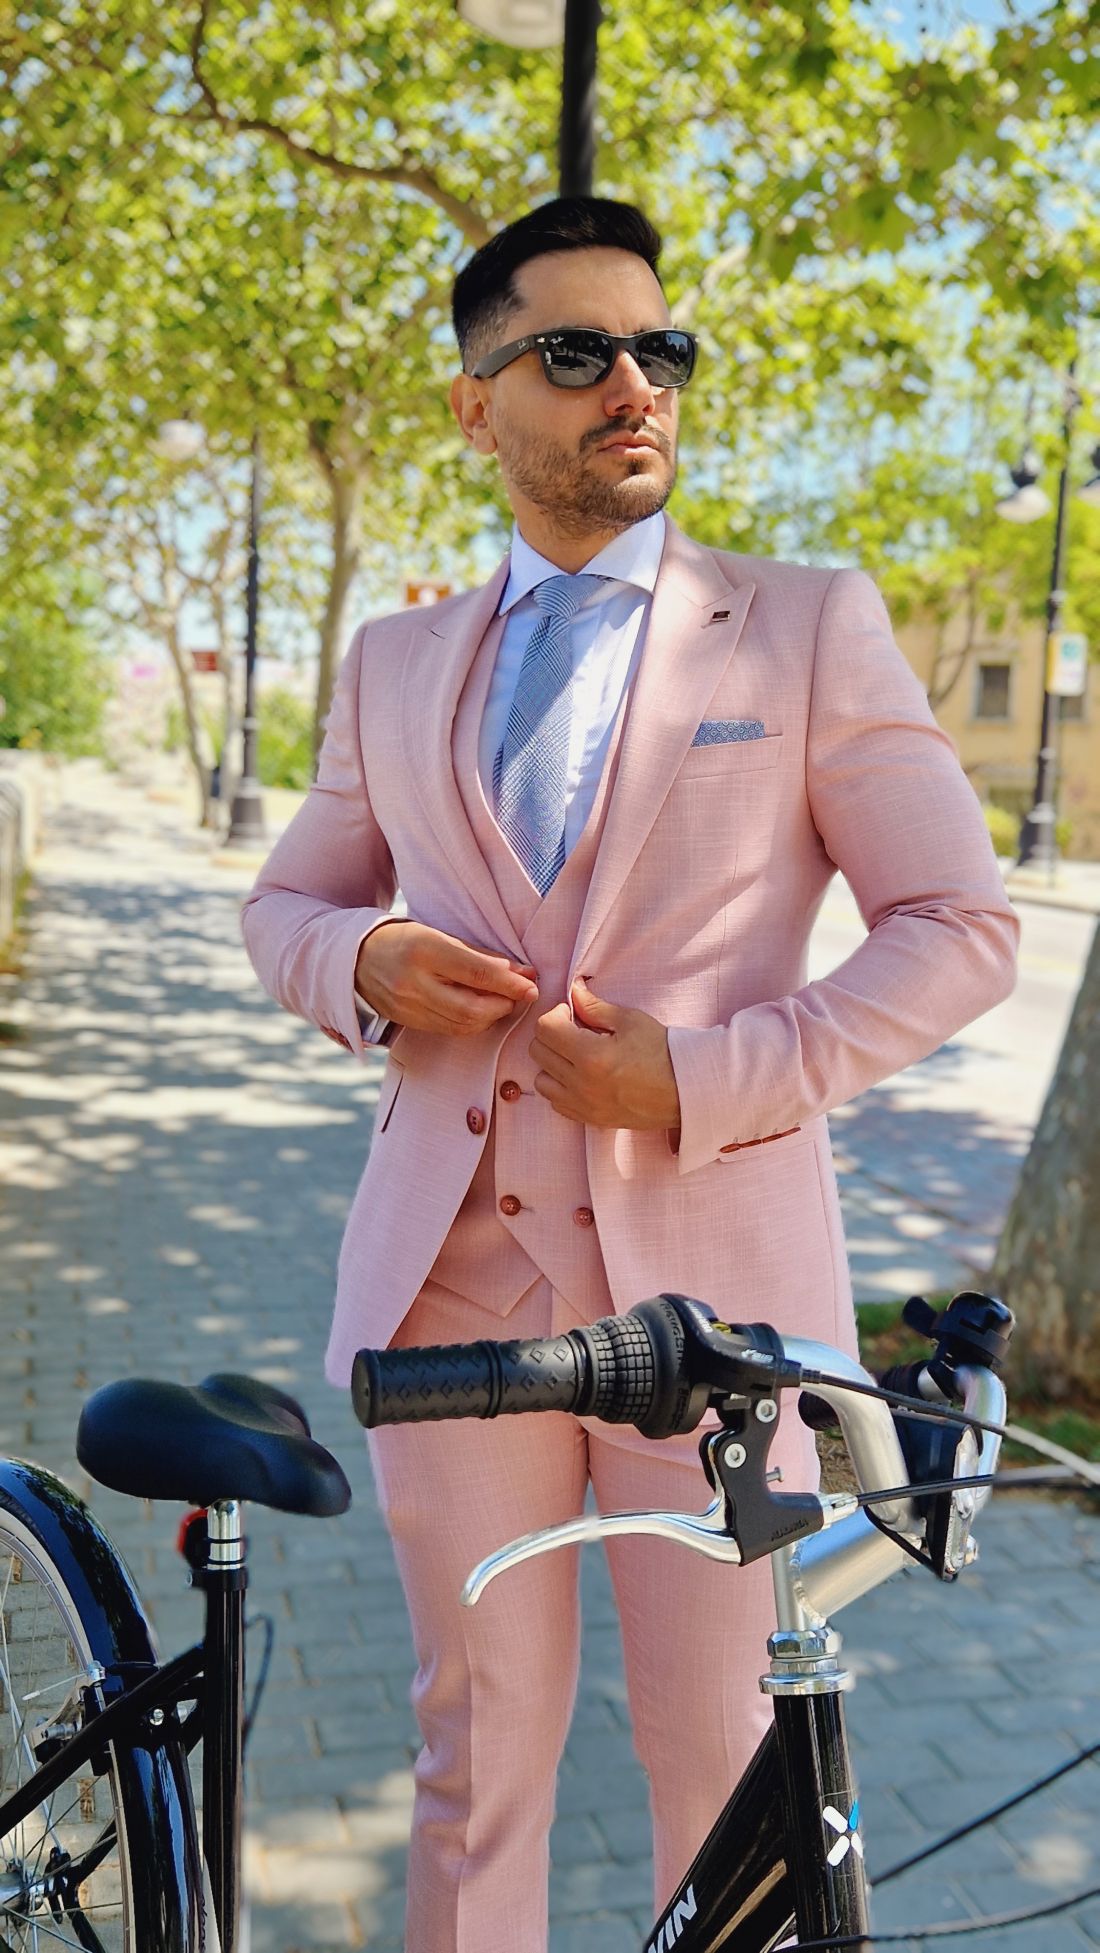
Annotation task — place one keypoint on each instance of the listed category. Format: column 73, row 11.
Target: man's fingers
column 557, row 1096
column 553, row 1062
column 479, row 969
column 465, row 1009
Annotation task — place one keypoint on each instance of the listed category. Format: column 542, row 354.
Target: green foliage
column 286, row 739
column 1004, row 831
column 54, row 679
column 175, row 727
column 252, row 217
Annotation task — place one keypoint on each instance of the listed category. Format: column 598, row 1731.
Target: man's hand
column 428, row 981
column 609, row 1068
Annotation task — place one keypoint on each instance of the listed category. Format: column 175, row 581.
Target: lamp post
column 179, row 440
column 1037, row 836
column 246, row 821
column 577, row 138
column 543, row 23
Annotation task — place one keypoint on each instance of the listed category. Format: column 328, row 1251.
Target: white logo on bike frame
column 668, row 1932
column 848, row 1830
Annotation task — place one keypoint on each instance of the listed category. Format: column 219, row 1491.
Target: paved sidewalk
column 1073, row 885
column 177, row 1162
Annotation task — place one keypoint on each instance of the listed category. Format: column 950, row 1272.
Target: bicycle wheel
column 108, row 1862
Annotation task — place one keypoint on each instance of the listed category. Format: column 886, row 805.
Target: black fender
column 165, row 1860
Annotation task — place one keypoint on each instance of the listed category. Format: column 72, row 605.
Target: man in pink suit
column 613, row 786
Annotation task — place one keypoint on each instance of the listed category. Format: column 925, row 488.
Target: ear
column 469, row 403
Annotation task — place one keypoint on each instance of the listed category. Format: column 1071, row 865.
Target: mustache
column 608, row 431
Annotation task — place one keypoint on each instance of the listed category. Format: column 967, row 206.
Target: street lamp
column 246, row 821
column 543, row 23
column 518, row 23
column 179, row 440
column 1027, row 503
column 1037, row 837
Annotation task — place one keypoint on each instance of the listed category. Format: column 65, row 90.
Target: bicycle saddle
column 229, row 1437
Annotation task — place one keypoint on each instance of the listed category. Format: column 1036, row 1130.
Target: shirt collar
column 632, row 557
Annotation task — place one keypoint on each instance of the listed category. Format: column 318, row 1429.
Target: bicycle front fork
column 824, row 1841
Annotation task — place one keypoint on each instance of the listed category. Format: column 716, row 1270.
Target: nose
column 626, row 389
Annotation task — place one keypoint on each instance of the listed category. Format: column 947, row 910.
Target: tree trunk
column 230, row 755
column 181, row 660
column 346, row 493
column 1047, row 1266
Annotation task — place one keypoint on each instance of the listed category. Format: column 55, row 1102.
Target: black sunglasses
column 579, row 356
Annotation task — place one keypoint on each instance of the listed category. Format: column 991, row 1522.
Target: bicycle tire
column 111, row 1861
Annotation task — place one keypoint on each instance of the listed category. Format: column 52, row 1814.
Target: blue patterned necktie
column 532, row 761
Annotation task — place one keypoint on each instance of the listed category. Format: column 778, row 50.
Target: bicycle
column 99, row 1846
column 786, row 1853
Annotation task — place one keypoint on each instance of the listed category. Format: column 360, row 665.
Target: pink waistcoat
column 532, row 1156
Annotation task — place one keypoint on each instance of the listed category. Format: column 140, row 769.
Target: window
column 992, row 699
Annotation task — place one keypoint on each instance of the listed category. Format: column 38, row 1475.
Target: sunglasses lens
column 576, row 358
column 667, row 358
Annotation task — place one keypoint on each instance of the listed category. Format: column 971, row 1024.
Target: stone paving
column 177, row 1159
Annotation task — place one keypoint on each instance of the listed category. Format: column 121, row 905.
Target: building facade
column 988, row 696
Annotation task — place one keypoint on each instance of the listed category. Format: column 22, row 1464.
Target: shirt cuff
column 373, row 1027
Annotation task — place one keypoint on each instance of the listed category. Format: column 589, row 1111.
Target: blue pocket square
column 723, row 732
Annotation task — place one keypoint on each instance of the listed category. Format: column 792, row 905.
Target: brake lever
column 704, row 1532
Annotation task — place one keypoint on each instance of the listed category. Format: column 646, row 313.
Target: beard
column 576, row 500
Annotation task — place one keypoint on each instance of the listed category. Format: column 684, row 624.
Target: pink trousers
column 495, row 1684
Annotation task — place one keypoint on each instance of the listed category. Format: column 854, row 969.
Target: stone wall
column 21, row 784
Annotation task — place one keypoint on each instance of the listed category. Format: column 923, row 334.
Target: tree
column 913, row 497
column 1047, row 1266
column 54, row 674
column 299, row 182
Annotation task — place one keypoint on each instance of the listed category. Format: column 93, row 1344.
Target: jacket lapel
column 686, row 650
column 436, row 668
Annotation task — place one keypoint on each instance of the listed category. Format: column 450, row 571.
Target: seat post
column 225, row 1579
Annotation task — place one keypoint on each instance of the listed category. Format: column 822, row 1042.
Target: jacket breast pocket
column 733, row 761
column 387, row 1097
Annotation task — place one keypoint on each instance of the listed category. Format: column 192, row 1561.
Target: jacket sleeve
column 899, row 818
column 328, row 881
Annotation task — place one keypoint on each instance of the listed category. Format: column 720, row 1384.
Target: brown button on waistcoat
column 532, row 1156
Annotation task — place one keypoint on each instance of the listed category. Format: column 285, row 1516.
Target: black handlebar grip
column 486, row 1379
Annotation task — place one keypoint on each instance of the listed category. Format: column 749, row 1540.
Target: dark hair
column 484, row 291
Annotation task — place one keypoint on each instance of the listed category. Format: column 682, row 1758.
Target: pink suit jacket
column 711, row 868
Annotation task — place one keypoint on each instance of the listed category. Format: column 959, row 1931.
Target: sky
column 938, row 17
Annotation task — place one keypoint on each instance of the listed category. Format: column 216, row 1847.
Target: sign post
column 426, row 592
column 1067, row 663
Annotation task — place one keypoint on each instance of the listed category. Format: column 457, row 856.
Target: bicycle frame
column 138, row 1718
column 787, row 1851
column 787, row 1848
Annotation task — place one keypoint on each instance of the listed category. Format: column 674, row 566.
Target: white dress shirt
column 606, row 637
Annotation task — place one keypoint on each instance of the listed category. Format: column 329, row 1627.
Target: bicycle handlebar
column 658, row 1368
column 407, row 1386
column 669, row 1361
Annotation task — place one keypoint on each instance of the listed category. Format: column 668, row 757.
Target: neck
column 569, row 553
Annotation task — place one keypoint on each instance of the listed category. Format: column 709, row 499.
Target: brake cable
column 975, row 1823
column 907, row 1406
column 944, row 1929
column 948, row 1928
